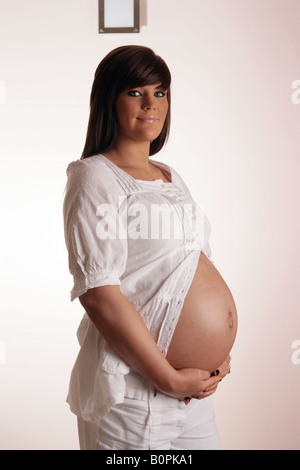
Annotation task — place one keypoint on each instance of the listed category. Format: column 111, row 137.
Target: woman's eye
column 160, row 94
column 134, row 93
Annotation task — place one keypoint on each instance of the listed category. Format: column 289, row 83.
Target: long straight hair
column 123, row 68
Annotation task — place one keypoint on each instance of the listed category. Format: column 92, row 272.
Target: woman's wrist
column 174, row 382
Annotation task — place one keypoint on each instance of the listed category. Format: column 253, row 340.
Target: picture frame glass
column 119, row 16
column 118, row 13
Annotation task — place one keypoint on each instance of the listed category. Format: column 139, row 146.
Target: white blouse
column 146, row 237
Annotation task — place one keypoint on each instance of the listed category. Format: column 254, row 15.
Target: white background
column 235, row 140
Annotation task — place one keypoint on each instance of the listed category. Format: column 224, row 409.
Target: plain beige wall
column 235, row 139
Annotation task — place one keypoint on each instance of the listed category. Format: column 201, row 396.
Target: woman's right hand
column 192, row 383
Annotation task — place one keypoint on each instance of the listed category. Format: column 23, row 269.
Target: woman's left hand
column 224, row 369
column 219, row 373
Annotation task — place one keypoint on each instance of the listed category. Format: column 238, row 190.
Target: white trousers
column 149, row 419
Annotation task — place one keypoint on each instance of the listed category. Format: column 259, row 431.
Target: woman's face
column 141, row 113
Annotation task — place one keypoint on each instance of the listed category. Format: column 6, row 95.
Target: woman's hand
column 189, row 383
column 224, row 368
column 207, row 387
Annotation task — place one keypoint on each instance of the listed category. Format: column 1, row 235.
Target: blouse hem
column 100, row 412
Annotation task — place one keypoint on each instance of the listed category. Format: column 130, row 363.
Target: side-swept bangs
column 123, row 68
column 142, row 68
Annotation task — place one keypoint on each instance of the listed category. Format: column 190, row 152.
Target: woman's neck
column 130, row 154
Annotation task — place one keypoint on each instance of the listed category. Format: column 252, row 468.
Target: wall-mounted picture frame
column 119, row 16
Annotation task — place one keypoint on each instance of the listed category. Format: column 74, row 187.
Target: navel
column 230, row 320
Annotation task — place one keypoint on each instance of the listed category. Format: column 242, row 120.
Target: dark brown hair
column 123, row 68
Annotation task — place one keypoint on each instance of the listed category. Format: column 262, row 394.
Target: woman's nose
column 148, row 103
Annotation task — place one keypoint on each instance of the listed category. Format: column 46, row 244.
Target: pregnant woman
column 159, row 320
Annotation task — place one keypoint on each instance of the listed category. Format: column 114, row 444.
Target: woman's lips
column 148, row 119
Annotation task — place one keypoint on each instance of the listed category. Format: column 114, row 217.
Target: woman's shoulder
column 86, row 166
column 91, row 177
column 91, row 171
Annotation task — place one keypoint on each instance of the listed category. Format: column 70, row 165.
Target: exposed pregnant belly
column 207, row 326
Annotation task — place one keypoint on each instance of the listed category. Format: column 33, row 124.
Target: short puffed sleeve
column 94, row 231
